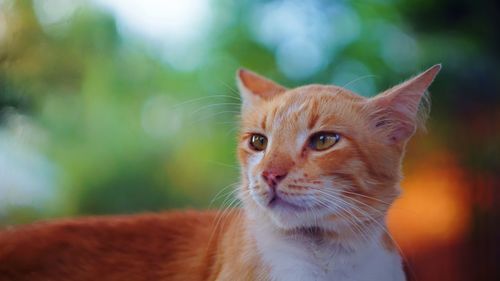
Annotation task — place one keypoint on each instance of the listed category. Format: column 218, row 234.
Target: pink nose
column 273, row 176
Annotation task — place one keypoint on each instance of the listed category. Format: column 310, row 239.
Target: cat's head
column 320, row 156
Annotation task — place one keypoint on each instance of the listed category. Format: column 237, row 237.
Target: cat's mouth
column 279, row 203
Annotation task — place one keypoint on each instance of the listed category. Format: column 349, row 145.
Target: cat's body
column 320, row 167
column 183, row 246
column 169, row 246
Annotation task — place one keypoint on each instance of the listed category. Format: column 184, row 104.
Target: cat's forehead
column 317, row 90
column 312, row 99
column 304, row 108
column 323, row 95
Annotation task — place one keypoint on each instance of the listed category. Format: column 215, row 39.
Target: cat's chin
column 279, row 204
column 287, row 216
column 308, row 228
column 290, row 221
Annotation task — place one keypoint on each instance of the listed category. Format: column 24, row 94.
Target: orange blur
column 434, row 208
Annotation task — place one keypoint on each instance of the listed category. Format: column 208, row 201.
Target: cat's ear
column 397, row 112
column 255, row 88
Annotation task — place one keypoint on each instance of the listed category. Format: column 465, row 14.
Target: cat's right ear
column 255, row 88
column 398, row 111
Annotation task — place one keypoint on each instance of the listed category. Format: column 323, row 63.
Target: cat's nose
column 273, row 176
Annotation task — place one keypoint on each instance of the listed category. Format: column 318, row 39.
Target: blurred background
column 118, row 107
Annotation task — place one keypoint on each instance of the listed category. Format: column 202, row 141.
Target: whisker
column 355, row 80
column 382, row 227
column 237, row 167
column 231, row 89
column 221, row 192
column 360, row 202
column 366, row 196
column 386, row 231
column 226, row 211
column 359, row 224
column 204, row 98
column 214, row 105
column 208, row 116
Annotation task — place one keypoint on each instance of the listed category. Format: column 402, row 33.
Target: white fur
column 303, row 260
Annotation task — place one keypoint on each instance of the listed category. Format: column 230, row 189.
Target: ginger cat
column 320, row 168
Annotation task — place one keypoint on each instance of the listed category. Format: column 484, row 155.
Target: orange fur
column 169, row 246
column 362, row 169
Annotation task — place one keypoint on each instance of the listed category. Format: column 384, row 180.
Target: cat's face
column 322, row 156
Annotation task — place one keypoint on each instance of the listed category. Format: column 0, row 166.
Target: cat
column 320, row 166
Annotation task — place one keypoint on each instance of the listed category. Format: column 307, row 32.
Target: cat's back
column 168, row 246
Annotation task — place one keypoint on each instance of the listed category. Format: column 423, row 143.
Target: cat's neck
column 350, row 235
column 299, row 253
column 349, row 238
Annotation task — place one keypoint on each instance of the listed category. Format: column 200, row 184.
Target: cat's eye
column 323, row 140
column 258, row 142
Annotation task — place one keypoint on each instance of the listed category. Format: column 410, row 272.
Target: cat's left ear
column 255, row 88
column 397, row 112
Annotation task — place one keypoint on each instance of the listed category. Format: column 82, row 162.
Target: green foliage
column 126, row 131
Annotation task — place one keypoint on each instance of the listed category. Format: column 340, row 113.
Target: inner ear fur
column 398, row 111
